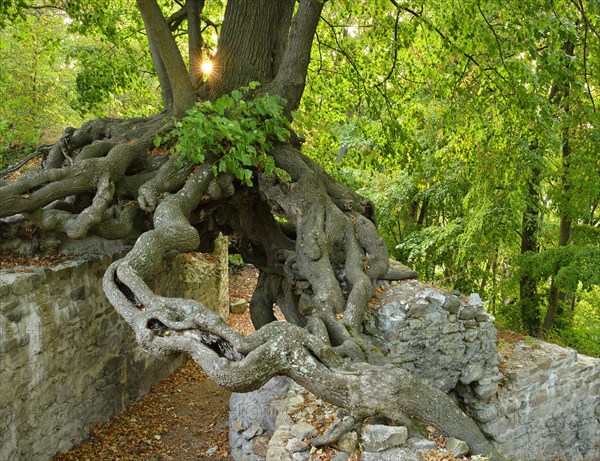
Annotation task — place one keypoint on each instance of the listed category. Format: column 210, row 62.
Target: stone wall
column 199, row 276
column 536, row 401
column 419, row 326
column 547, row 406
column 67, row 360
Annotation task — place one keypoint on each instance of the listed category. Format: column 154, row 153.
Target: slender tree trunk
column 556, row 296
column 529, row 301
column 492, row 299
column 423, row 212
column 195, row 42
column 554, row 309
column 163, row 77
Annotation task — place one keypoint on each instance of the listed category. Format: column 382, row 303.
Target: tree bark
column 195, row 41
column 163, row 76
column 250, row 41
column 554, row 307
column 529, row 301
column 159, row 33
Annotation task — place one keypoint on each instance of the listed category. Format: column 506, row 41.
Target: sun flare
column 206, row 67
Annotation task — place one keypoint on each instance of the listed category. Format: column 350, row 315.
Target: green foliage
column 579, row 266
column 236, row 260
column 36, row 81
column 109, row 82
column 440, row 113
column 11, row 10
column 238, row 129
column 583, row 332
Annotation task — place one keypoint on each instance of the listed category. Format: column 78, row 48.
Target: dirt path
column 183, row 418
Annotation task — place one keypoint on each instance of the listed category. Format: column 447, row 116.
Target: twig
column 39, row 151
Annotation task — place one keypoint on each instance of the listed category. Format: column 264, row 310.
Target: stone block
column 379, row 437
column 394, row 454
column 471, row 323
column 295, row 445
column 260, row 445
column 457, row 447
column 301, row 456
column 238, row 307
column 421, row 444
column 340, row 456
column 468, row 313
column 277, row 453
column 303, row 430
column 450, row 328
column 348, row 442
column 452, row 304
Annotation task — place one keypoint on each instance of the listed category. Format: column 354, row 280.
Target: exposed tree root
column 335, row 432
column 314, row 242
column 243, row 363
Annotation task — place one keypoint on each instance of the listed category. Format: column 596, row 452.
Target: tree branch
column 158, row 31
column 291, row 75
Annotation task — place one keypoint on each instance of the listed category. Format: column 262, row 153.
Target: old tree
column 313, row 240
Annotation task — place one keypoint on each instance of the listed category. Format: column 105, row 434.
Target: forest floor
column 182, row 418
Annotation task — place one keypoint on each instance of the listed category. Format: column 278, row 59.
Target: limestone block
column 260, row 445
column 278, row 453
column 421, row 444
column 295, row 445
column 452, row 304
column 394, row 454
column 457, row 447
column 301, row 456
column 238, row 307
column 379, row 437
column 340, row 456
column 303, row 430
column 198, row 276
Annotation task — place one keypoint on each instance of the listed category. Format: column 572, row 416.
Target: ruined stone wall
column 543, row 405
column 547, row 406
column 198, row 276
column 536, row 401
column 67, row 360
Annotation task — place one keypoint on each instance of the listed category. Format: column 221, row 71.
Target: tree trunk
column 529, row 301
column 195, row 41
column 159, row 32
column 554, row 308
column 250, row 44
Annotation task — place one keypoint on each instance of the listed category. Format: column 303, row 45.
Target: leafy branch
column 237, row 129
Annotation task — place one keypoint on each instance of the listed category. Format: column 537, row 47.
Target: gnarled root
column 313, row 240
column 335, row 432
column 302, row 262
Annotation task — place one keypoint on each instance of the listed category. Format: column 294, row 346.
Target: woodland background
column 473, row 126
